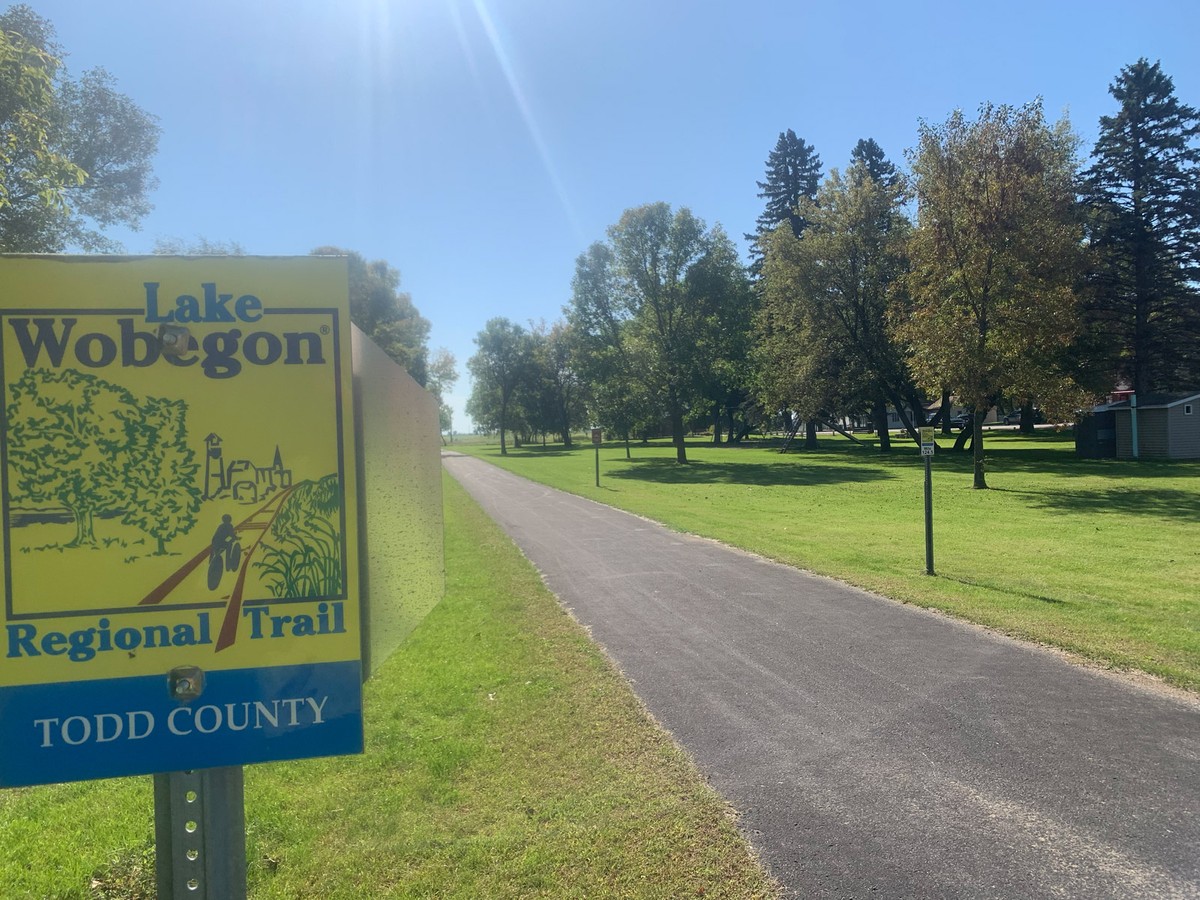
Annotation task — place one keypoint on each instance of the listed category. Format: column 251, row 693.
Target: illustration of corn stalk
column 305, row 559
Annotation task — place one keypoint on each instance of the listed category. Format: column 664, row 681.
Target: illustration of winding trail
column 255, row 524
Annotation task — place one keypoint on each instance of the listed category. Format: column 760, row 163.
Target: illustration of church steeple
column 214, row 470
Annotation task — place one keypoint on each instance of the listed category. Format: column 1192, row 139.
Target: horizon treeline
column 996, row 268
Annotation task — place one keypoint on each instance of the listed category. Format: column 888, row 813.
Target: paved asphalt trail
column 874, row 749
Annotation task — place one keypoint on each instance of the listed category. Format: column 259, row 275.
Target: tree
column 875, row 163
column 994, row 258
column 91, row 446
column 793, row 174
column 655, row 293
column 1143, row 197
column 76, row 154
column 724, row 369
column 554, row 382
column 198, row 246
column 606, row 360
column 498, row 369
column 163, row 498
column 826, row 301
column 385, row 313
column 442, row 374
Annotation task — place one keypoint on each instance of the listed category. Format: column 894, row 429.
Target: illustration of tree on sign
column 92, row 447
column 306, row 558
column 163, row 497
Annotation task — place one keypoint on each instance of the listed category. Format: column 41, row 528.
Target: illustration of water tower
column 214, row 469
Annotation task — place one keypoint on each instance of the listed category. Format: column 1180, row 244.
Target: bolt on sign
column 179, row 523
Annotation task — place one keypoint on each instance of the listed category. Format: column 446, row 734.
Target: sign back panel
column 179, row 524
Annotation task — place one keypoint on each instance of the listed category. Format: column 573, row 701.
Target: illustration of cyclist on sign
column 226, row 552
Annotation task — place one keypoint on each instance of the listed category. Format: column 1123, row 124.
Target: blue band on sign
column 74, row 731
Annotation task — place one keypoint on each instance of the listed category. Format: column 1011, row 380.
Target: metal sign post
column 200, row 834
column 928, row 446
column 597, row 437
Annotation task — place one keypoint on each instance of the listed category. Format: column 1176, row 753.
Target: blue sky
column 480, row 145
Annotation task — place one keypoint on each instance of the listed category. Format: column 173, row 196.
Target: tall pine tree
column 793, row 174
column 875, row 163
column 1143, row 197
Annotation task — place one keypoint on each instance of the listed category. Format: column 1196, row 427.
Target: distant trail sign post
column 180, row 534
column 928, row 447
column 597, row 439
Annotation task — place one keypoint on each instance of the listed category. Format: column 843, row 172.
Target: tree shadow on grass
column 791, row 472
column 533, row 452
column 1163, row 503
column 1055, row 452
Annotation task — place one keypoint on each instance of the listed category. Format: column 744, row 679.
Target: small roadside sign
column 597, row 436
column 928, row 445
column 180, row 547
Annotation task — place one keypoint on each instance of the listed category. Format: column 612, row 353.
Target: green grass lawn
column 506, row 758
column 1099, row 557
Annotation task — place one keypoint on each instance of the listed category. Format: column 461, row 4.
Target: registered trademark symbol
column 324, row 329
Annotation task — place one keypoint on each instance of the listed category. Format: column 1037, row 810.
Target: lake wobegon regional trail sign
column 179, row 546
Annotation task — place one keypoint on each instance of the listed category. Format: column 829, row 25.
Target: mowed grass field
column 1098, row 557
column 506, row 758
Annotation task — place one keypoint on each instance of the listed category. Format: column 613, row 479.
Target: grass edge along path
column 506, row 758
column 1098, row 558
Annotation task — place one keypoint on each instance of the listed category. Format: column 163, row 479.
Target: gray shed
column 1168, row 427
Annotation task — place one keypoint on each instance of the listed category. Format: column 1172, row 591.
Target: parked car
column 962, row 420
column 1014, row 417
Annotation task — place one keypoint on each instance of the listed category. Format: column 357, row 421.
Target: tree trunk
column 1027, row 417
column 965, row 436
column 677, row 435
column 84, row 536
column 810, row 434
column 628, row 455
column 980, row 484
column 879, row 414
column 946, row 428
column 503, row 422
column 717, row 423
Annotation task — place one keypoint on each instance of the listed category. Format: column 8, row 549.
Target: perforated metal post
column 928, row 518
column 200, row 835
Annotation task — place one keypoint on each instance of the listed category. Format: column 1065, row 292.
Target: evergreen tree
column 874, row 163
column 1143, row 198
column 793, row 174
